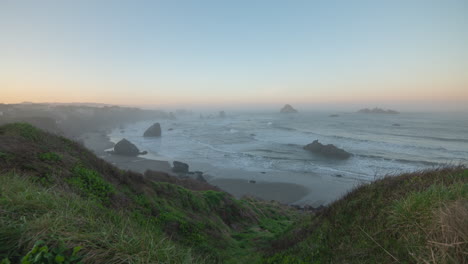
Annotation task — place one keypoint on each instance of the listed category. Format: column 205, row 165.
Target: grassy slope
column 411, row 218
column 53, row 189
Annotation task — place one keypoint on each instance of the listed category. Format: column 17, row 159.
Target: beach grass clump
column 50, row 157
column 90, row 183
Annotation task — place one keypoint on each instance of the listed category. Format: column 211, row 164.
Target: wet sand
column 287, row 193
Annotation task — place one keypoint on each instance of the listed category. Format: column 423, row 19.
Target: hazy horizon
column 336, row 55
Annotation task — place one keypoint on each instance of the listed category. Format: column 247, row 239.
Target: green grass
column 58, row 217
column 389, row 221
column 31, row 213
column 50, row 157
column 25, row 130
column 90, row 183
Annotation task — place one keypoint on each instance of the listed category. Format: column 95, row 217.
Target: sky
column 399, row 53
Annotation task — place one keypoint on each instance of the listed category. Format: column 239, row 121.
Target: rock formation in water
column 329, row 150
column 180, row 167
column 126, row 148
column 377, row 111
column 153, row 131
column 287, row 109
column 172, row 116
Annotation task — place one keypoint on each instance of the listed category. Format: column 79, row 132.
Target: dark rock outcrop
column 180, row 167
column 288, row 109
column 126, row 148
column 200, row 176
column 329, row 150
column 153, row 131
column 377, row 111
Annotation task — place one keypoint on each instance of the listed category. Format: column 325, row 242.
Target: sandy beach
column 313, row 190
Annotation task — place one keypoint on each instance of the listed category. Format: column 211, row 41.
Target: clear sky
column 163, row 53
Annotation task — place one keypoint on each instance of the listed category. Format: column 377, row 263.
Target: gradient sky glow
column 163, row 53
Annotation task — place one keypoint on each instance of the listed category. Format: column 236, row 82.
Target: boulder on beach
column 180, row 167
column 153, row 131
column 126, row 148
column 288, row 109
column 329, row 150
column 200, row 176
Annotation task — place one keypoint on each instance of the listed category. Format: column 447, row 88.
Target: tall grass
column 411, row 218
column 30, row 213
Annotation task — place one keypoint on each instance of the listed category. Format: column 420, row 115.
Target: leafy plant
column 42, row 254
column 91, row 183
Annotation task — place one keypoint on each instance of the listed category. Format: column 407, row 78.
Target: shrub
column 90, row 183
column 41, row 254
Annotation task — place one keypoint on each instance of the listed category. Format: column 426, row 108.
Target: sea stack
column 153, row 131
column 288, row 109
column 126, row 148
column 180, row 167
column 330, row 151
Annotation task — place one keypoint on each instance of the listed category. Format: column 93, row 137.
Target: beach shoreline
column 269, row 185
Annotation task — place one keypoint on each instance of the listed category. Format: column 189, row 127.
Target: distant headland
column 377, row 111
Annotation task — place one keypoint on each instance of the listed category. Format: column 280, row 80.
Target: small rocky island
column 330, row 151
column 288, row 109
column 377, row 110
column 153, row 131
column 127, row 148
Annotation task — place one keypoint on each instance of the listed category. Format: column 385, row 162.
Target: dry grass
column 448, row 236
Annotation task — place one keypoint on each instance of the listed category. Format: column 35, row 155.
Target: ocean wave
column 433, row 138
column 424, row 162
column 353, row 139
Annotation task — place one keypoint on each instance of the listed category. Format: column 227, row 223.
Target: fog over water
column 272, row 142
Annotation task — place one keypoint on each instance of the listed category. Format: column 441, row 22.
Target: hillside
column 411, row 218
column 56, row 193
column 54, row 190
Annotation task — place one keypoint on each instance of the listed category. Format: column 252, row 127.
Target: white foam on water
column 274, row 142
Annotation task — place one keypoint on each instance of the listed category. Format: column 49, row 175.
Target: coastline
column 312, row 190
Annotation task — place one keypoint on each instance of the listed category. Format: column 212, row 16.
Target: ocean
column 381, row 144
